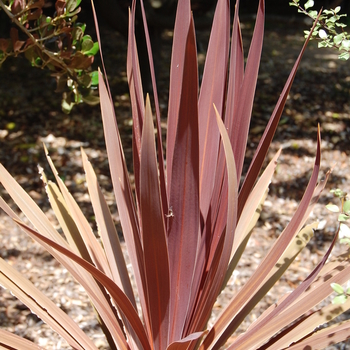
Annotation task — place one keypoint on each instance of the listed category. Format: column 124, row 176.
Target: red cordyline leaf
column 93, row 252
column 110, row 241
column 108, row 231
column 243, row 110
column 123, row 194
column 276, row 317
column 182, row 24
column 116, row 293
column 236, row 73
column 325, row 337
column 136, row 99
column 216, row 219
column 332, row 270
column 41, row 222
column 9, row 340
column 227, row 323
column 212, row 92
column 216, row 273
column 207, row 246
column 154, row 237
column 158, row 123
column 187, row 342
column 269, row 132
column 121, row 186
column 183, row 224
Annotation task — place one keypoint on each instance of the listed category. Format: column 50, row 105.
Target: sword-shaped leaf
column 154, row 237
column 183, row 223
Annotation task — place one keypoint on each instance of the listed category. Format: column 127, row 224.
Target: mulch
column 30, row 114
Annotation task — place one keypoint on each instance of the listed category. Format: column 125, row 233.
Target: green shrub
column 329, row 29
column 58, row 43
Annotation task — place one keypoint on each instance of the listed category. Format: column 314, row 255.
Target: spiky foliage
column 187, row 223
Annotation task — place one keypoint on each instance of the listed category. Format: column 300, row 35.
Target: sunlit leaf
column 343, row 217
column 339, row 299
column 346, row 206
column 308, row 4
column 337, row 288
column 322, row 34
column 344, row 231
column 332, row 207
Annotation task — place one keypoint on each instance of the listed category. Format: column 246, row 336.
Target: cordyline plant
column 188, row 221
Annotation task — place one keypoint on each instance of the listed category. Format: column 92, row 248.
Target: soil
column 30, row 115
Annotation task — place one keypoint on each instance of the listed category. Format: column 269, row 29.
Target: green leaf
column 85, row 80
column 345, row 241
column 344, row 231
column 93, row 51
column 343, row 217
column 328, row 12
column 86, row 37
column 66, row 107
column 338, row 39
column 313, row 14
column 73, row 14
column 344, row 56
column 337, row 192
column 87, row 45
column 322, row 34
column 91, row 100
column 345, row 44
column 340, row 299
column 332, row 207
column 71, row 5
column 78, row 32
column 94, row 78
column 82, row 26
column 337, row 288
column 322, row 44
column 337, row 9
column 346, row 206
column 332, row 19
column 308, row 4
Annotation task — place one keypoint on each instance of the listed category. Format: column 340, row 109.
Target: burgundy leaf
column 159, row 130
column 243, row 110
column 123, row 194
column 265, row 141
column 154, row 237
column 226, row 323
column 183, row 226
column 212, row 92
column 182, row 24
column 221, row 256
